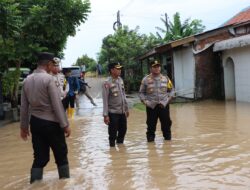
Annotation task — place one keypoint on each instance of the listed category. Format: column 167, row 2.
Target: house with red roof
column 241, row 17
column 212, row 64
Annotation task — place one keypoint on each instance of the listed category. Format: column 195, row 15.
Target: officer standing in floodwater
column 156, row 92
column 115, row 107
column 42, row 109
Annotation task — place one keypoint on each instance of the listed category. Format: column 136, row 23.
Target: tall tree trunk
column 1, row 100
column 14, row 95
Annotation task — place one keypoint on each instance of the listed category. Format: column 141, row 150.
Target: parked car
column 75, row 71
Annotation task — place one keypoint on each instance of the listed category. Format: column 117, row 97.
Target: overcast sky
column 146, row 14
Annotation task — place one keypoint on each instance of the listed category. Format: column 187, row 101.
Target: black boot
column 63, row 171
column 36, row 174
column 168, row 137
column 119, row 140
column 112, row 143
column 150, row 136
column 151, row 140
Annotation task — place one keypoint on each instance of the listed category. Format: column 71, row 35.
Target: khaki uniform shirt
column 59, row 81
column 114, row 98
column 155, row 90
column 40, row 97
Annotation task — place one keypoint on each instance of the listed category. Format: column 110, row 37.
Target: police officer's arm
column 24, row 114
column 126, row 107
column 62, row 78
column 105, row 95
column 57, row 104
column 142, row 92
column 171, row 91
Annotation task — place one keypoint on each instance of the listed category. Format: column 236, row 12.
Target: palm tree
column 176, row 30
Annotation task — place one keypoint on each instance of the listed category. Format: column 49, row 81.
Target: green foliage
column 87, row 61
column 30, row 26
column 123, row 46
column 176, row 30
column 140, row 106
column 132, row 84
column 9, row 80
column 152, row 41
column 10, row 24
column 10, row 19
column 52, row 21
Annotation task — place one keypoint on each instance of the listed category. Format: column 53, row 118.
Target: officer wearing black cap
column 115, row 107
column 156, row 91
column 42, row 109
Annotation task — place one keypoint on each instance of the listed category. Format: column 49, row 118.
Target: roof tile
column 242, row 16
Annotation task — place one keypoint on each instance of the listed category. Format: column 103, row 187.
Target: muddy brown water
column 209, row 150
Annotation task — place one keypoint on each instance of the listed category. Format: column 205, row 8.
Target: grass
column 140, row 106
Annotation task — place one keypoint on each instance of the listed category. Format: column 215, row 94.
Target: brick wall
column 209, row 77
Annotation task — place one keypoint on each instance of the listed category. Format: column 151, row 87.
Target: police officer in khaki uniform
column 156, row 91
column 59, row 78
column 115, row 107
column 42, row 109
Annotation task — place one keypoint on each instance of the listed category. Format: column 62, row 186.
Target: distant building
column 212, row 64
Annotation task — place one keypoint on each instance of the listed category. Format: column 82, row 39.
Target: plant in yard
column 10, row 83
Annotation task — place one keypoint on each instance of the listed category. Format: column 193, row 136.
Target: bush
column 10, row 84
column 132, row 85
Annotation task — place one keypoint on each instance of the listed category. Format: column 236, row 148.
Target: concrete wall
column 241, row 59
column 184, row 72
column 229, row 79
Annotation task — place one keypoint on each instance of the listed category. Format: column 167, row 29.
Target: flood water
column 210, row 150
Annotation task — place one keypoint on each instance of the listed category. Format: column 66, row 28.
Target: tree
column 10, row 24
column 87, row 61
column 124, row 46
column 176, row 30
column 152, row 41
column 30, row 26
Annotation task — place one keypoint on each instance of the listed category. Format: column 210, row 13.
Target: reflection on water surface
column 210, row 149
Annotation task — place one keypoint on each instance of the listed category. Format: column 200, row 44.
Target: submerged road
column 209, row 150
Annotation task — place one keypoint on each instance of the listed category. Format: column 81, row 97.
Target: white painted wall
column 229, row 79
column 184, row 72
column 241, row 58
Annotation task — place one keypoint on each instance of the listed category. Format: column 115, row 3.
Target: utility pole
column 117, row 24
